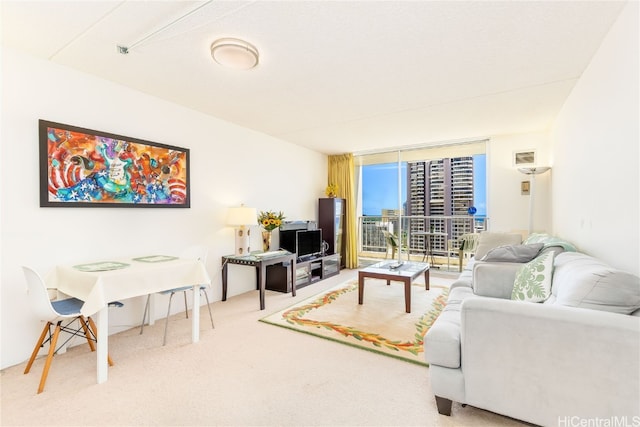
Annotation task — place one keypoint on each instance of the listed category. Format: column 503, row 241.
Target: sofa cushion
column 513, row 253
column 465, row 278
column 533, row 279
column 494, row 279
column 442, row 342
column 549, row 240
column 489, row 240
column 551, row 248
column 583, row 281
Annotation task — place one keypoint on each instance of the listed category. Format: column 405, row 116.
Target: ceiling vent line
column 218, row 17
column 89, row 28
column 126, row 49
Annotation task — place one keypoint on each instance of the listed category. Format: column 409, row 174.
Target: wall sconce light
column 533, row 171
column 242, row 218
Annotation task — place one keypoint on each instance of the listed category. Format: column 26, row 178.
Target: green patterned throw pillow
column 533, row 280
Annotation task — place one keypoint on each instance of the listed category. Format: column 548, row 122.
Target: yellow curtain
column 341, row 173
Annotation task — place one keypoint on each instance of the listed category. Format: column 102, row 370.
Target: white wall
column 229, row 165
column 508, row 209
column 595, row 152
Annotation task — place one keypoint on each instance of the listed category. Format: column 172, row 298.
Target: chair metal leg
column 186, row 308
column 144, row 315
column 38, row 346
column 166, row 322
column 208, row 306
column 47, row 364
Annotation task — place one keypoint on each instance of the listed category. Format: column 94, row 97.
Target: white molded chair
column 453, row 249
column 392, row 243
column 195, row 252
column 56, row 313
column 468, row 246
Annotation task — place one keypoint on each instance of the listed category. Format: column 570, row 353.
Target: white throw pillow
column 533, row 280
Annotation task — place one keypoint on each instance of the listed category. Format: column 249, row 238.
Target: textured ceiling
column 334, row 76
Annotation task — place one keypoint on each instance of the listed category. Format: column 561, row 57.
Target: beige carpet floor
column 243, row 372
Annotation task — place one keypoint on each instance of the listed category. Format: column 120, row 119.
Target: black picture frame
column 82, row 167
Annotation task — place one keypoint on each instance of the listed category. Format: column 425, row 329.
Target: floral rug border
column 295, row 319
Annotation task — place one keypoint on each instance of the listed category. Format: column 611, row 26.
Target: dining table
column 101, row 282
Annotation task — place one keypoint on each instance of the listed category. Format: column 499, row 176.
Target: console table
column 260, row 263
column 307, row 271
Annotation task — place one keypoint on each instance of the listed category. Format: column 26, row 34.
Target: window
column 430, row 189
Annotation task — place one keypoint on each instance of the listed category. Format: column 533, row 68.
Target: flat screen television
column 288, row 240
column 309, row 243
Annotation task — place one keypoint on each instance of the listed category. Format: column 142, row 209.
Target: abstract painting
column 86, row 168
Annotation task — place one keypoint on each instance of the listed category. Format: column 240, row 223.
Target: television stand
column 308, row 271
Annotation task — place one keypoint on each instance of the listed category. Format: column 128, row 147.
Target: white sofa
column 571, row 359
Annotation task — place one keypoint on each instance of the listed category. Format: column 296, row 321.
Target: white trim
column 423, row 146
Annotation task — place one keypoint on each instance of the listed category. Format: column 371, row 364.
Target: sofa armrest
column 520, row 357
column 494, row 279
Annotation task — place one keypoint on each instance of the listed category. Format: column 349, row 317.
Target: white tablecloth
column 98, row 288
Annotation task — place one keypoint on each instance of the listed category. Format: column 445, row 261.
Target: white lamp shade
column 534, row 170
column 242, row 216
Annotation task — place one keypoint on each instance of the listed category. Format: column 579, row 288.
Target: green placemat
column 101, row 266
column 156, row 258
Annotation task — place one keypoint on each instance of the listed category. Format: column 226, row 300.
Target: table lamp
column 242, row 218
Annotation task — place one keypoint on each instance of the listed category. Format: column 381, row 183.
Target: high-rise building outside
column 435, row 188
column 391, row 213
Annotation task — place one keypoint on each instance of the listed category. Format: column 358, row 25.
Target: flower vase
column 266, row 241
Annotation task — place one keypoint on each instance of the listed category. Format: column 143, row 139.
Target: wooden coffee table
column 405, row 273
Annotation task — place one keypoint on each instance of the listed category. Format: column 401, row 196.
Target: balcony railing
column 414, row 246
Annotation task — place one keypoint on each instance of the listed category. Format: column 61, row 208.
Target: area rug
column 380, row 324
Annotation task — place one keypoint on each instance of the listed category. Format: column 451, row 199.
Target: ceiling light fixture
column 234, row 53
